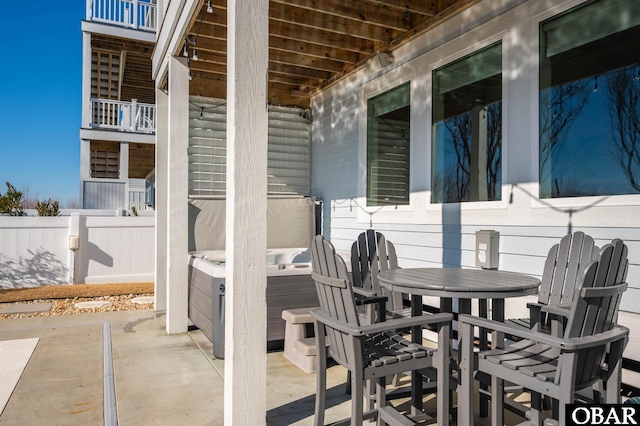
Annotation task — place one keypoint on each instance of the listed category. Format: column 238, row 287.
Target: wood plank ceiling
column 312, row 43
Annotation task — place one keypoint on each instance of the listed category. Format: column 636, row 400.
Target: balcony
column 135, row 14
column 124, row 116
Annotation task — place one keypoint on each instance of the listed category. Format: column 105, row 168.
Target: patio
column 123, row 368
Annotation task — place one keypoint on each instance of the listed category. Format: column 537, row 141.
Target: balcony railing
column 136, row 14
column 126, row 116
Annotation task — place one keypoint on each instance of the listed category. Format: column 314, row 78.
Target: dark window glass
column 590, row 101
column 467, row 128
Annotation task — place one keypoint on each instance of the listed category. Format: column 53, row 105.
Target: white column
column 85, row 148
column 86, row 79
column 177, row 186
column 85, row 166
column 124, row 173
column 162, row 168
column 246, row 229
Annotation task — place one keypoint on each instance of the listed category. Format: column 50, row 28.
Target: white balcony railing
column 137, row 195
column 136, row 14
column 126, row 116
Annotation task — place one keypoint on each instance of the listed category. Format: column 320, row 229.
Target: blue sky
column 40, row 97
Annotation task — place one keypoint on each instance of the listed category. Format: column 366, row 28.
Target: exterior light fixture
column 209, row 8
column 195, row 55
column 185, row 52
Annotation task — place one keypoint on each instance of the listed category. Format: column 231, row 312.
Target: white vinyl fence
column 76, row 249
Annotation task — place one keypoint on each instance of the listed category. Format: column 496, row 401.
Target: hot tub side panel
column 200, row 309
column 287, row 292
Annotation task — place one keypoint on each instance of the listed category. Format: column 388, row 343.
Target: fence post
column 74, row 246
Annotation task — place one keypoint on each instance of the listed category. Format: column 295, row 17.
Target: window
column 590, row 101
column 467, row 128
column 388, row 138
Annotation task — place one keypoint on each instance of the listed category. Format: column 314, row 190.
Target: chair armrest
column 398, row 323
column 567, row 344
column 558, row 310
column 359, row 291
column 390, row 325
column 617, row 333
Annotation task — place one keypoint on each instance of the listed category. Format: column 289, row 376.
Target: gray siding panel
column 103, row 195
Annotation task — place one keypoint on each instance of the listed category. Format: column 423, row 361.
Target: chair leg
column 536, row 407
column 381, row 396
column 321, row 377
column 357, row 389
column 497, row 401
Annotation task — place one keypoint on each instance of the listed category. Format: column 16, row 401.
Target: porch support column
column 86, row 78
column 85, row 166
column 177, row 186
column 162, row 168
column 246, row 229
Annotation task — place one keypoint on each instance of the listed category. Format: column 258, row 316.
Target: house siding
column 444, row 235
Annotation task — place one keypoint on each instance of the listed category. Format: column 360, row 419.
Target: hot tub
column 289, row 285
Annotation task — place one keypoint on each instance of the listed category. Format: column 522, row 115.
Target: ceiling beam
column 355, row 11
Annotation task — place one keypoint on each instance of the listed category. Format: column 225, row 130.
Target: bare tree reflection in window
column 559, row 107
column 623, row 105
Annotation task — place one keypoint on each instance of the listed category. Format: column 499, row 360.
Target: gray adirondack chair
column 551, row 365
column 561, row 272
column 373, row 351
column 371, row 254
column 562, row 268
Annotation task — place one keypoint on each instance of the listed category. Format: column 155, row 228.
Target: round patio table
column 461, row 284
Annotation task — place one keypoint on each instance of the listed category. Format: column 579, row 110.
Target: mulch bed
column 73, row 291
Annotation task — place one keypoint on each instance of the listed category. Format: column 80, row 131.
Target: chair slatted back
column 563, row 268
column 596, row 304
column 336, row 297
column 371, row 254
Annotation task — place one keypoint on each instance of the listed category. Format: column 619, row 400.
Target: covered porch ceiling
column 312, row 43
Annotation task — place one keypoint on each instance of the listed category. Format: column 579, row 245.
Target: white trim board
column 14, row 356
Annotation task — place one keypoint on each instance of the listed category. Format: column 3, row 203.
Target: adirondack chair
column 373, row 351
column 372, row 253
column 562, row 268
column 550, row 365
column 561, row 272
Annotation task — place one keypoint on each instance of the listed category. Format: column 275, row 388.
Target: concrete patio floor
column 122, row 368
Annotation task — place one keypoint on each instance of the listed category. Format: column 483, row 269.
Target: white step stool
column 298, row 347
